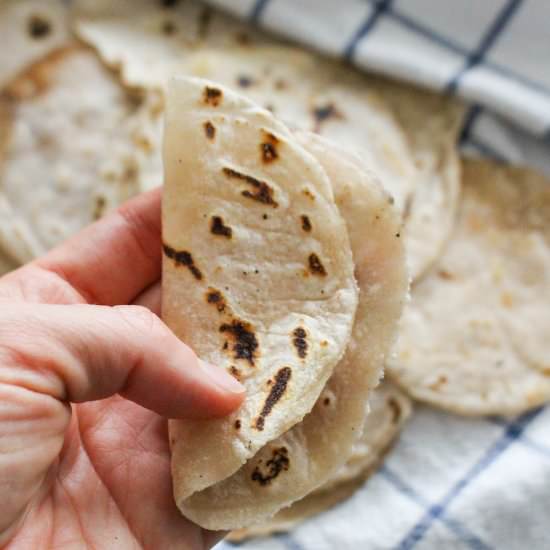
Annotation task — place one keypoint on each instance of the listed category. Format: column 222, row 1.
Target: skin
column 88, row 376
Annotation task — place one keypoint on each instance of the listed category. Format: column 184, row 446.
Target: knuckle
column 140, row 318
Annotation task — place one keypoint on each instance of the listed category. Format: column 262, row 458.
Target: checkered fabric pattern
column 451, row 482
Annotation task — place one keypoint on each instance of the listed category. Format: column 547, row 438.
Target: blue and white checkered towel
column 451, row 483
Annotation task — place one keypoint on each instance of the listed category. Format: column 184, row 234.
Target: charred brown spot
column 306, row 224
column 395, row 408
column 300, row 342
column 244, row 81
column 212, row 96
column 280, row 84
column 444, row 274
column 245, row 344
column 168, row 3
column 39, row 27
column 324, row 343
column 268, row 147
column 308, row 194
column 225, row 345
column 326, row 401
column 324, row 113
column 261, row 191
column 209, row 130
column 216, row 298
column 315, row 265
column 182, row 257
column 235, row 372
column 273, row 467
column 264, row 216
column 278, row 389
column 168, row 27
column 237, row 424
column 217, row 227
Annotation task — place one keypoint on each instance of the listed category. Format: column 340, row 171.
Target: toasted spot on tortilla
column 234, row 371
column 315, row 265
column 268, row 148
column 323, row 113
column 308, row 194
column 217, row 227
column 39, row 27
column 300, row 342
column 262, row 192
column 274, row 466
column 209, row 130
column 278, row 389
column 212, row 96
column 306, row 223
column 215, row 297
column 245, row 344
column 183, row 258
column 444, row 274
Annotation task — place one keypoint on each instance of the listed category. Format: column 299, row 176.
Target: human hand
column 82, row 464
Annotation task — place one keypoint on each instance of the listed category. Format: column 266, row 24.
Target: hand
column 82, row 463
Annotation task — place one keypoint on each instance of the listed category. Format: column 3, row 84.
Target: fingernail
column 221, row 378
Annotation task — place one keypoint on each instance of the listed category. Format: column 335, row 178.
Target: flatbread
column 294, row 464
column 30, row 30
column 389, row 410
column 257, row 277
column 474, row 338
column 78, row 147
column 150, row 40
column 431, row 123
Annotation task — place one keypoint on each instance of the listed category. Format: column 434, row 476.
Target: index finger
column 113, row 260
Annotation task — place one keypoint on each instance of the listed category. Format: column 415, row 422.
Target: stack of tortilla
column 308, row 297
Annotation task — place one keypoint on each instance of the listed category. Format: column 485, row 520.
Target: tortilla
column 29, row 31
column 76, row 150
column 149, row 41
column 431, row 123
column 289, row 467
column 474, row 338
column 389, row 410
column 257, row 274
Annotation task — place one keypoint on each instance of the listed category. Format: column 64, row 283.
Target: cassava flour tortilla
column 431, row 123
column 389, row 410
column 29, row 30
column 290, row 466
column 257, row 276
column 78, row 145
column 149, row 40
column 474, row 338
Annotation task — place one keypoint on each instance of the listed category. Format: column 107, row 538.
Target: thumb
column 82, row 353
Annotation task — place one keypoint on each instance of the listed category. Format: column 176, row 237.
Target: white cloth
column 450, row 483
